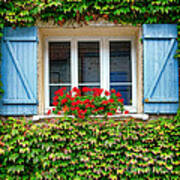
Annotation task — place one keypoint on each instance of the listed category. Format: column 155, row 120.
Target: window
column 103, row 62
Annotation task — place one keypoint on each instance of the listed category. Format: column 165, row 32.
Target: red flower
column 76, row 108
column 93, row 106
column 75, row 89
column 86, row 101
column 64, row 88
column 118, row 94
column 73, row 103
column 53, row 109
column 55, row 103
column 121, row 100
column 109, row 114
column 111, row 100
column 85, row 89
column 49, row 112
column 78, row 102
column 72, row 99
column 105, row 102
column 59, row 113
column 59, row 92
column 101, row 108
column 126, row 112
column 88, row 105
column 107, row 93
column 113, row 91
column 68, row 96
column 55, row 98
column 97, row 91
column 63, row 101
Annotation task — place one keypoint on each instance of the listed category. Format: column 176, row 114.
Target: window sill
column 143, row 117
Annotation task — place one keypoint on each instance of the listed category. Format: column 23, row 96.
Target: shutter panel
column 160, row 69
column 19, row 71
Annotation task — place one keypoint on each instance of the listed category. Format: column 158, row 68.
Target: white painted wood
column 46, row 74
column 134, row 74
column 60, row 84
column 74, row 64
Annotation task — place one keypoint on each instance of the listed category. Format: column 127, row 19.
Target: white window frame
column 104, row 64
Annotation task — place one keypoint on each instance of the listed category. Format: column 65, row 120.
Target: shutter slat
column 21, row 39
column 19, row 101
column 160, row 69
column 161, row 100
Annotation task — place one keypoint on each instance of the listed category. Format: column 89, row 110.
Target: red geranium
column 118, row 94
column 107, row 93
column 55, row 98
column 86, row 89
column 111, row 100
column 109, row 114
column 49, row 112
column 63, row 101
column 73, row 103
column 113, row 91
column 105, row 102
column 75, row 89
column 126, row 112
column 121, row 100
column 55, row 103
column 68, row 96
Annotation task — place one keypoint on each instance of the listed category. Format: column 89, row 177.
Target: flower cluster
column 85, row 102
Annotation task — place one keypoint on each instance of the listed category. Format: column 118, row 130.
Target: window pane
column 88, row 62
column 120, row 61
column 59, row 55
column 126, row 93
column 53, row 89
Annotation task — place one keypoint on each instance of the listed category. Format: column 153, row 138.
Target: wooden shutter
column 19, row 71
column 160, row 69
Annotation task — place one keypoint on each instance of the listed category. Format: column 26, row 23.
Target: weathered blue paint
column 19, row 71
column 160, row 69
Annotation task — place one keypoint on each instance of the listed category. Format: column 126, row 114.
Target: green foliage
column 15, row 13
column 25, row 13
column 70, row 149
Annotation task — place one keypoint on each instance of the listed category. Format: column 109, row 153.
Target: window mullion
column 106, row 65
column 74, row 63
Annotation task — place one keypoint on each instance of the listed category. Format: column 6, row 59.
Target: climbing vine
column 26, row 13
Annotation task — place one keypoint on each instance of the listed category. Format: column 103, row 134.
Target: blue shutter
column 19, row 71
column 160, row 69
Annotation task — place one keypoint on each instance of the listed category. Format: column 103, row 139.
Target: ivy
column 25, row 13
column 72, row 149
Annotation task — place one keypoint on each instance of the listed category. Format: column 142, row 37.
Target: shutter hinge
column 141, row 39
column 37, row 39
column 146, row 100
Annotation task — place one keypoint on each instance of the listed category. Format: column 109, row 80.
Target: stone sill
column 143, row 117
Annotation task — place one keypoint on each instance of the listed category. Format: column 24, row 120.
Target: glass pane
column 126, row 93
column 59, row 55
column 88, row 62
column 120, row 61
column 87, row 93
column 53, row 89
